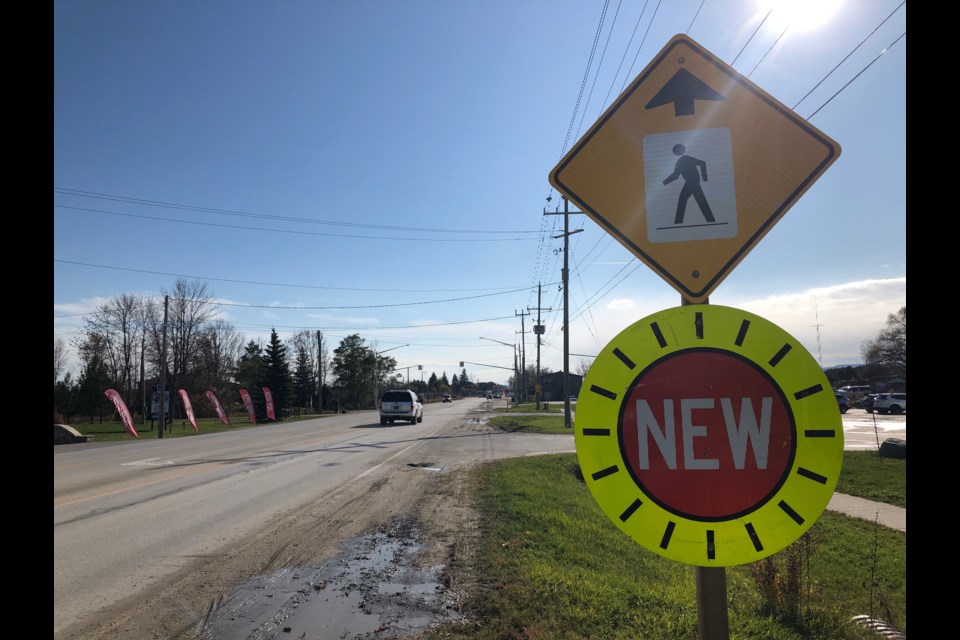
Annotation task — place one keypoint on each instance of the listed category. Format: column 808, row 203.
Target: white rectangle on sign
column 689, row 179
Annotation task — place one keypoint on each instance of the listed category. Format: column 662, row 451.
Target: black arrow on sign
column 682, row 89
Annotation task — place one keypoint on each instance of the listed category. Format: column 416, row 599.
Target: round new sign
column 709, row 435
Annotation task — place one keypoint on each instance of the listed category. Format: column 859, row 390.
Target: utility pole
column 538, row 331
column 320, row 371
column 523, row 355
column 566, row 307
column 163, row 371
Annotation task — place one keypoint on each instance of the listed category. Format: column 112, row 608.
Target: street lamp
column 516, row 388
column 376, row 371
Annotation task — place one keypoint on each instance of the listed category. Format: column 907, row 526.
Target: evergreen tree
column 274, row 373
column 304, row 380
column 248, row 367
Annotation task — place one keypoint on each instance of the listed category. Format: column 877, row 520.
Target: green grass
column 866, row 475
column 553, row 566
column 531, row 407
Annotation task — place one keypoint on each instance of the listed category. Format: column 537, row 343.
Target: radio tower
column 816, row 313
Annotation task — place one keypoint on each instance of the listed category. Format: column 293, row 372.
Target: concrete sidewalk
column 884, row 514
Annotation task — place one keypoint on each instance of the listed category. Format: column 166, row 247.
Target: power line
column 750, row 39
column 291, row 231
column 794, row 107
column 279, row 284
column 839, row 91
column 248, row 214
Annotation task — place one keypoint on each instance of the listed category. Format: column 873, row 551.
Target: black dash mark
column 596, row 432
column 784, row 350
column 816, row 477
column 624, row 359
column 629, row 511
column 790, row 512
column 658, row 335
column 711, row 546
column 603, row 392
column 667, row 534
column 698, row 323
column 809, row 391
column 754, row 538
column 603, row 473
column 742, row 334
column 820, row 433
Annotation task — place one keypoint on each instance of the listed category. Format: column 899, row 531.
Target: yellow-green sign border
column 772, row 526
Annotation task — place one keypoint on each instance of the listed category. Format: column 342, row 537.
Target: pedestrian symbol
column 691, row 189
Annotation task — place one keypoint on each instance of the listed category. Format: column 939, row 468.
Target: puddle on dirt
column 371, row 590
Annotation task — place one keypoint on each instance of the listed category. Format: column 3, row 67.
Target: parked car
column 867, row 401
column 842, row 401
column 895, row 403
column 400, row 404
column 447, row 397
column 856, row 388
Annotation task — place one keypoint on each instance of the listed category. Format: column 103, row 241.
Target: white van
column 862, row 388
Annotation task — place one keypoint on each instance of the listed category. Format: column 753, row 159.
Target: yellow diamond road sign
column 691, row 166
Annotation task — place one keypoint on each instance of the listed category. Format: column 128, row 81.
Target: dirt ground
column 426, row 510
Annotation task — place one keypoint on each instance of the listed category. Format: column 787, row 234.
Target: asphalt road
column 127, row 515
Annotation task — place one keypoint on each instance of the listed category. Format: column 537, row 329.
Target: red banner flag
column 248, row 403
column 212, row 397
column 189, row 409
column 123, row 411
column 269, row 398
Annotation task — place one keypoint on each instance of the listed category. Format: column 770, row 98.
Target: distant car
column 573, row 398
column 447, row 398
column 400, row 404
column 842, row 401
column 866, row 402
column 895, row 403
column 855, row 388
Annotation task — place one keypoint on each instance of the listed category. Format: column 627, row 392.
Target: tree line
column 126, row 342
column 884, row 358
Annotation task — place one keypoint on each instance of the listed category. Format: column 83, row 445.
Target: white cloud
column 846, row 315
column 620, row 304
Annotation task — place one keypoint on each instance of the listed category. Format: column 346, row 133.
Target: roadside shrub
column 783, row 579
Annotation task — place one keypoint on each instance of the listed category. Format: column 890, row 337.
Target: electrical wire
column 857, row 76
column 750, row 39
column 292, row 231
column 794, row 107
column 248, row 214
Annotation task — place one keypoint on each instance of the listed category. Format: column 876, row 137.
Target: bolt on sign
column 691, row 166
column 709, row 435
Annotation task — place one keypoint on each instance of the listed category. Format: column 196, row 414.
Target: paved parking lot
column 865, row 431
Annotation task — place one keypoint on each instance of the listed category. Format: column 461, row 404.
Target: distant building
column 552, row 385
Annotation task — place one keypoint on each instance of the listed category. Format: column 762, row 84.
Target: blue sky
column 382, row 167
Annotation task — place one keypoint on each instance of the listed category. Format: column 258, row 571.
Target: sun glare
column 799, row 15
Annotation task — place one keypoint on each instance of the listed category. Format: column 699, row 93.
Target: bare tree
column 219, row 350
column 59, row 358
column 190, row 307
column 889, row 350
column 117, row 324
column 583, row 367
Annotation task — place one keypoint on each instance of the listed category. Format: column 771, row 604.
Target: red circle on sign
column 707, row 434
